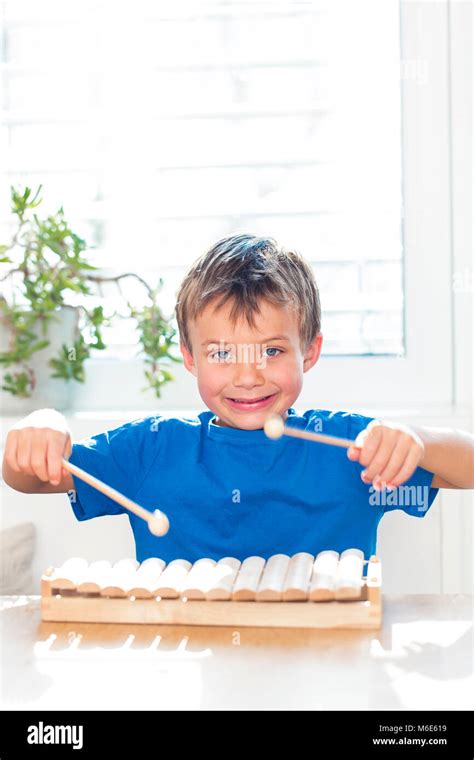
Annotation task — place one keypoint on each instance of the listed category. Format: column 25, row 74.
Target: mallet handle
column 318, row 437
column 124, row 501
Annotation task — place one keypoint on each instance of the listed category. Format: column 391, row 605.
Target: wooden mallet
column 158, row 523
column 275, row 427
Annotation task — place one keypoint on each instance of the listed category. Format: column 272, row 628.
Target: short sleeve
column 357, row 423
column 414, row 497
column 121, row 458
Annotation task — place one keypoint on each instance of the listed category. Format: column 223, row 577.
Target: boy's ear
column 313, row 352
column 188, row 359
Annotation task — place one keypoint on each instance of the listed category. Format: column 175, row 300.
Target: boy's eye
column 221, row 355
column 278, row 350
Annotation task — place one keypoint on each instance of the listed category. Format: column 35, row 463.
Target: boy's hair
column 245, row 269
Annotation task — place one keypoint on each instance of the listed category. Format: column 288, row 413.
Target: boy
column 249, row 319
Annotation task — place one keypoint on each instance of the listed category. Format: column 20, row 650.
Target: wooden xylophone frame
column 362, row 612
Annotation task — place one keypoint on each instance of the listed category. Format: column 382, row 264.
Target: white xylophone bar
column 298, row 577
column 270, row 588
column 323, row 579
column 248, row 578
column 199, row 579
column 145, row 580
column 172, row 579
column 349, row 574
column 117, row 579
column 223, row 579
column 69, row 574
column 94, row 577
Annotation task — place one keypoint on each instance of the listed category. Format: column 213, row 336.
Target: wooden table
column 420, row 659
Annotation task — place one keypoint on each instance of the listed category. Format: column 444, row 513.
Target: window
column 161, row 127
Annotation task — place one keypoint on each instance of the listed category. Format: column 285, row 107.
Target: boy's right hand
column 36, row 445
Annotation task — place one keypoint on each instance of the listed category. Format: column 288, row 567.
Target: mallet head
column 274, row 426
column 158, row 523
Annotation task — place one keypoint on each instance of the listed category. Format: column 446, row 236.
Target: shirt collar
column 236, row 435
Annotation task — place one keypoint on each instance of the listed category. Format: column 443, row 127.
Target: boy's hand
column 36, row 445
column 389, row 452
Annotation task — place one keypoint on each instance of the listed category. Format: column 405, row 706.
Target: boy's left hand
column 389, row 452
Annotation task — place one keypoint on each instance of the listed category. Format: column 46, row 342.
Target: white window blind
column 162, row 127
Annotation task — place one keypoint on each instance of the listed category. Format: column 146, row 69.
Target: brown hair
column 246, row 269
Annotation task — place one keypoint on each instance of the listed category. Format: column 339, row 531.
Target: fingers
column 362, row 437
column 38, row 464
column 353, row 453
column 408, row 468
column 38, row 452
column 389, row 453
column 24, row 453
column 376, row 456
column 11, row 448
column 369, row 440
column 68, row 448
column 54, row 456
column 399, row 455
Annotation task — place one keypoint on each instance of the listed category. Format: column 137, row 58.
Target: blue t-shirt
column 232, row 492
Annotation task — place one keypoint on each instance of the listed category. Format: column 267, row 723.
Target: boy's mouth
column 251, row 403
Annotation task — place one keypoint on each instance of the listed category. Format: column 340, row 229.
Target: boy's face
column 244, row 373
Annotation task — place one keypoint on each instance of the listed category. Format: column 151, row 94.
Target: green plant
column 46, row 269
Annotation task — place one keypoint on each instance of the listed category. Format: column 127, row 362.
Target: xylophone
column 326, row 591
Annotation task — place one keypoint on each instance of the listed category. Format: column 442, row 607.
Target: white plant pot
column 48, row 392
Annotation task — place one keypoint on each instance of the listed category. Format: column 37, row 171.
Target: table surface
column 420, row 659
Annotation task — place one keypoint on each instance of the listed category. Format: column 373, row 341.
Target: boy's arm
column 34, row 448
column 20, row 481
column 449, row 454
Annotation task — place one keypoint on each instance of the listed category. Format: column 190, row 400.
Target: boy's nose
column 248, row 375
